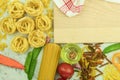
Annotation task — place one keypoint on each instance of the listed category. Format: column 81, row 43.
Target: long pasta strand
column 49, row 63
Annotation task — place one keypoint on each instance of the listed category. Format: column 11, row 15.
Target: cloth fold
column 70, row 7
column 73, row 7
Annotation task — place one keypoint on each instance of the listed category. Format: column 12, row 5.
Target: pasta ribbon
column 116, row 61
column 8, row 25
column 25, row 25
column 16, row 9
column 50, row 13
column 34, row 7
column 43, row 23
column 46, row 3
column 3, row 6
column 111, row 73
column 2, row 46
column 19, row 44
column 36, row 38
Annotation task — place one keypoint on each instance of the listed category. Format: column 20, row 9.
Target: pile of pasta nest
column 32, row 19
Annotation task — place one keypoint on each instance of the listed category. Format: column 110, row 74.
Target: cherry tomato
column 65, row 70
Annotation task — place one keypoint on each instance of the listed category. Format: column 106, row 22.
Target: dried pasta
column 43, row 23
column 111, row 73
column 2, row 46
column 2, row 36
column 36, row 38
column 46, row 3
column 3, row 6
column 50, row 13
column 8, row 25
column 25, row 25
column 34, row 7
column 16, row 9
column 19, row 44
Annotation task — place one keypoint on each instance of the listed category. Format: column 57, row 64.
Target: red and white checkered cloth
column 70, row 7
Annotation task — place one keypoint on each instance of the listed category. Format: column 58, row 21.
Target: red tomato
column 65, row 70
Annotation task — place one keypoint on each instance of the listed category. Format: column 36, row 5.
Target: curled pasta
column 16, row 9
column 43, row 23
column 25, row 25
column 3, row 6
column 46, row 3
column 34, row 7
column 37, row 38
column 19, row 44
column 8, row 25
column 111, row 73
column 50, row 13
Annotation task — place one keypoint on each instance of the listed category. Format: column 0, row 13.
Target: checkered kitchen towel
column 70, row 7
column 73, row 7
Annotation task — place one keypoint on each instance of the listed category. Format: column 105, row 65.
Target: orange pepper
column 116, row 60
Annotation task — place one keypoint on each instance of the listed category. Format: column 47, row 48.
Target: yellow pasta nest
column 43, row 23
column 37, row 38
column 19, row 44
column 8, row 25
column 16, row 9
column 111, row 73
column 25, row 25
column 34, row 7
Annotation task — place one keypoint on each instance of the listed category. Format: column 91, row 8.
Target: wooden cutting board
column 99, row 21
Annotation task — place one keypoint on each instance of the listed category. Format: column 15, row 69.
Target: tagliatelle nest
column 7, row 25
column 25, row 25
column 37, row 38
column 43, row 23
column 16, row 9
column 19, row 44
column 34, row 7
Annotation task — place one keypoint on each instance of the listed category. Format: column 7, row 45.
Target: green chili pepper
column 31, row 61
column 71, row 53
column 28, row 61
column 32, row 69
column 36, row 52
column 111, row 48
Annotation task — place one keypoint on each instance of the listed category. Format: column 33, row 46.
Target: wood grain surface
column 99, row 21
